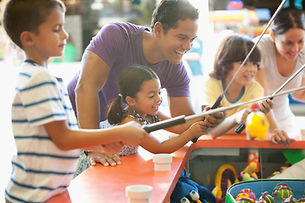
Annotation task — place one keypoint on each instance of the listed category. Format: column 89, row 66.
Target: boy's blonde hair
column 27, row 15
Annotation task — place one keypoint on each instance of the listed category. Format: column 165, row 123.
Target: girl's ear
column 130, row 101
column 26, row 38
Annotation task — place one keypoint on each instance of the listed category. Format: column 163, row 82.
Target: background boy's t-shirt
column 214, row 88
column 40, row 169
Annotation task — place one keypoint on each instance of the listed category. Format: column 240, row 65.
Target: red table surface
column 105, row 184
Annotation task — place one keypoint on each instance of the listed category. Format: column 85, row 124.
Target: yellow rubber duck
column 257, row 123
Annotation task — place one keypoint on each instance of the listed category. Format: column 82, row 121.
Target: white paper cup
column 162, row 162
column 138, row 193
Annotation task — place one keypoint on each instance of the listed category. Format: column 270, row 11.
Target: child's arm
column 210, row 122
column 178, row 128
column 66, row 138
column 152, row 145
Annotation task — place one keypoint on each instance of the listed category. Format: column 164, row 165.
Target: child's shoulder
column 36, row 72
column 255, row 87
column 31, row 76
column 211, row 82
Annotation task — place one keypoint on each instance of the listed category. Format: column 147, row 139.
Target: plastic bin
column 265, row 185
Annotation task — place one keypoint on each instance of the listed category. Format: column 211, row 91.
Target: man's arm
column 92, row 79
column 180, row 106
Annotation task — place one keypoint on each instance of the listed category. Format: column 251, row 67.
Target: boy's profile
column 44, row 125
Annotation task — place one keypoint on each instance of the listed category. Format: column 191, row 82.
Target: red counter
column 100, row 184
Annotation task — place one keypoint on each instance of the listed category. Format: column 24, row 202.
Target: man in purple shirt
column 118, row 45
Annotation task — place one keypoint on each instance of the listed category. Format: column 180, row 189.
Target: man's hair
column 27, row 15
column 169, row 12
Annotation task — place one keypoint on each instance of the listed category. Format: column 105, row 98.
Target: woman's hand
column 280, row 137
column 103, row 158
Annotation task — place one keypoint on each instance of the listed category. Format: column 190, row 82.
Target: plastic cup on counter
column 138, row 193
column 162, row 162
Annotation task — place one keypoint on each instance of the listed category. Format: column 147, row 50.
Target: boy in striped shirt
column 44, row 125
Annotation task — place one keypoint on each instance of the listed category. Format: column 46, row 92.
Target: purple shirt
column 120, row 45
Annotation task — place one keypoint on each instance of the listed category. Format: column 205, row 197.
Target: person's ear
column 26, row 38
column 130, row 101
column 158, row 29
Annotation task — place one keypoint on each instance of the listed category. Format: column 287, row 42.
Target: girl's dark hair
column 27, row 15
column 233, row 49
column 168, row 12
column 130, row 81
column 286, row 19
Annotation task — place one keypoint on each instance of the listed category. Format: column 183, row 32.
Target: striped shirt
column 40, row 169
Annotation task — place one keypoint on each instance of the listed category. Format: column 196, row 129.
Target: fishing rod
column 182, row 119
column 242, row 126
column 220, row 97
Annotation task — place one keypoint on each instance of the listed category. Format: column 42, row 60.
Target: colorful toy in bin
column 256, row 123
column 246, row 195
column 290, row 200
column 267, row 197
column 263, row 188
column 282, row 191
column 301, row 200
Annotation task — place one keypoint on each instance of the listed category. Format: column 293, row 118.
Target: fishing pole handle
column 242, row 126
column 215, row 105
column 164, row 124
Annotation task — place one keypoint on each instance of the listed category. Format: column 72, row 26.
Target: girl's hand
column 280, row 137
column 133, row 133
column 103, row 158
column 198, row 128
column 265, row 106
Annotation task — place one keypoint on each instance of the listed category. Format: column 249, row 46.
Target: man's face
column 177, row 41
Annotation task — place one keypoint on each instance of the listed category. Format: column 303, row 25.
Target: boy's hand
column 265, row 106
column 134, row 133
column 280, row 137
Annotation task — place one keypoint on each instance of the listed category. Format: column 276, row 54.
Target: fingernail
column 113, row 164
